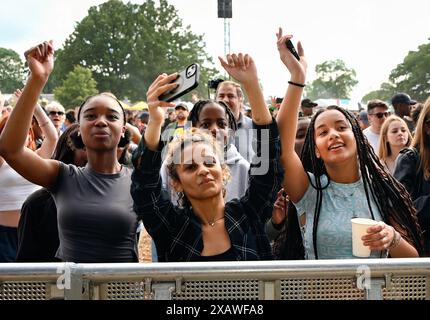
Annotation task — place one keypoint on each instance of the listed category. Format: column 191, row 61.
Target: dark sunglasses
column 380, row 114
column 53, row 113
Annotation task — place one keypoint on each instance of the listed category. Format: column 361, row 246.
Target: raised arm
column 295, row 179
column 27, row 163
column 156, row 113
column 135, row 135
column 49, row 132
column 242, row 68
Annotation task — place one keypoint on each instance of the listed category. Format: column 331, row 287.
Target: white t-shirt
column 373, row 139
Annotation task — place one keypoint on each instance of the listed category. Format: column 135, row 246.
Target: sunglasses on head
column 53, row 113
column 379, row 115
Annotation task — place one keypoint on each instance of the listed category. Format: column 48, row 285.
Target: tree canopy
column 11, row 70
column 78, row 85
column 126, row 46
column 334, row 80
column 411, row 76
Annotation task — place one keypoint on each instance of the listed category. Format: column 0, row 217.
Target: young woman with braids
column 217, row 119
column 339, row 177
column 207, row 228
column 413, row 171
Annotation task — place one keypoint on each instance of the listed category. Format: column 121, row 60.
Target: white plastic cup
column 359, row 229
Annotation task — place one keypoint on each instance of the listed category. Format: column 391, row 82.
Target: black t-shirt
column 37, row 229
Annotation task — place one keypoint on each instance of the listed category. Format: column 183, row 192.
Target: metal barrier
column 373, row 279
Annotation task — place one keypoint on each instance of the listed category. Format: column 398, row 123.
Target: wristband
column 297, row 84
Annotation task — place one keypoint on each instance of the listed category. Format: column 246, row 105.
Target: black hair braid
column 388, row 194
column 198, row 107
column 316, row 166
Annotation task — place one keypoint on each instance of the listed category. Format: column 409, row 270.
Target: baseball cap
column 402, row 98
column 181, row 105
column 307, row 103
column 363, row 117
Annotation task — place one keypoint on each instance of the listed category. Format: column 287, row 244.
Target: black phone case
column 290, row 47
column 188, row 80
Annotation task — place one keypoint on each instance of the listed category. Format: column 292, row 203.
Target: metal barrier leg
column 163, row 291
column 374, row 290
column 268, row 290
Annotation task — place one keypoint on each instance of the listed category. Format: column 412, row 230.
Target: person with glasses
column 57, row 114
column 377, row 112
column 413, row 171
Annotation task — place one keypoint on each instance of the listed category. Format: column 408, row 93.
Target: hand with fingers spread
column 297, row 68
column 381, row 237
column 241, row 67
column 40, row 60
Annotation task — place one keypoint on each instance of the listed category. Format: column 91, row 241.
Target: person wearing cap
column 363, row 120
column 308, row 107
column 402, row 103
column 377, row 112
column 177, row 127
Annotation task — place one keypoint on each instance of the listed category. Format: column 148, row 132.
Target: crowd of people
column 215, row 182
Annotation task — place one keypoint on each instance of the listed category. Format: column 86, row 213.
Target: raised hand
column 280, row 212
column 158, row 87
column 40, row 60
column 241, row 67
column 17, row 93
column 297, row 68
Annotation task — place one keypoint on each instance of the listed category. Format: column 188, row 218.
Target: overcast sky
column 371, row 36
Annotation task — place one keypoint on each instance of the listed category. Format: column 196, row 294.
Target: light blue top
column 340, row 203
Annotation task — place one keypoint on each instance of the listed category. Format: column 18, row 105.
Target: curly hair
column 175, row 156
column 391, row 198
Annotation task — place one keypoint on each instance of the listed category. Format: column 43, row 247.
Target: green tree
column 413, row 74
column 126, row 46
column 78, row 85
column 334, row 80
column 11, row 70
column 384, row 93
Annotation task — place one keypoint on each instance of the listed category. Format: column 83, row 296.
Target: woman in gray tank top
column 96, row 221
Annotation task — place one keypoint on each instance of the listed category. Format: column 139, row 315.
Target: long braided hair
column 391, row 198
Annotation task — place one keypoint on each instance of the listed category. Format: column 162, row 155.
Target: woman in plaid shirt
column 207, row 228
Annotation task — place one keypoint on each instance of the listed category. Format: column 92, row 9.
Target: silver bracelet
column 396, row 240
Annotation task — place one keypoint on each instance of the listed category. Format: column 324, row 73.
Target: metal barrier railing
column 374, row 279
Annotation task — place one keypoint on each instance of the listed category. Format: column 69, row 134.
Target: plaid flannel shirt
column 177, row 232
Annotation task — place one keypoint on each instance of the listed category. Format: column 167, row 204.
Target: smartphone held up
column 187, row 80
